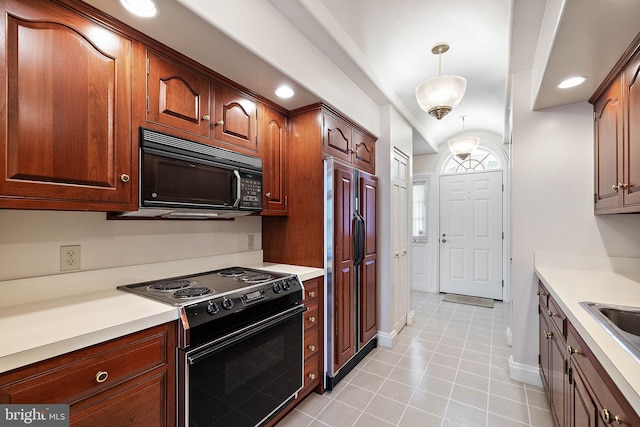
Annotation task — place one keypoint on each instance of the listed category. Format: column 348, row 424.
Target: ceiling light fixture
column 572, row 82
column 141, row 8
column 463, row 146
column 284, row 92
column 439, row 95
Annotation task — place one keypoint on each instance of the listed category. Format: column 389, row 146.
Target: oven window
column 244, row 382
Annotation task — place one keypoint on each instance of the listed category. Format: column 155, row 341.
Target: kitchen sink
column 621, row 322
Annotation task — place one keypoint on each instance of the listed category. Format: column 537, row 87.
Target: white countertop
column 44, row 317
column 578, row 282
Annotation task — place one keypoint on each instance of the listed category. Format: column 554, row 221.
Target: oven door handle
column 243, row 333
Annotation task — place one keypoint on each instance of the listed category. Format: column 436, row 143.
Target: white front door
column 471, row 234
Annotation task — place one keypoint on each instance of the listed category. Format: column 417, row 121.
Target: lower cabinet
column 313, row 344
column 125, row 381
column 580, row 392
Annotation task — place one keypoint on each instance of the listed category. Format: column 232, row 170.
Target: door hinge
column 503, row 283
column 539, row 359
column 570, row 373
column 148, row 68
column 595, row 198
column 566, row 366
column 503, row 188
column 503, row 235
column 147, row 104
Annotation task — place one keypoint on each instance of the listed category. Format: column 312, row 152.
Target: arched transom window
column 481, row 159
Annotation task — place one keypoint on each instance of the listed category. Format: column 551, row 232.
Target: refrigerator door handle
column 358, row 237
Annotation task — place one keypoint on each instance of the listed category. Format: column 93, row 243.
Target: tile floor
column 449, row 368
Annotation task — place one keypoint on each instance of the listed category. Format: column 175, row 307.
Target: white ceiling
column 384, row 48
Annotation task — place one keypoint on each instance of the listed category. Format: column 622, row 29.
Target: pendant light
column 463, row 146
column 439, row 95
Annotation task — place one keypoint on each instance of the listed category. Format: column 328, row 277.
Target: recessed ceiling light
column 142, row 8
column 571, row 82
column 284, row 92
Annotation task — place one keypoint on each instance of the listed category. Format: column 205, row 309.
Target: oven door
column 243, row 378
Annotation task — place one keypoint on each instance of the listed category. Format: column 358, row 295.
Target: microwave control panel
column 251, row 191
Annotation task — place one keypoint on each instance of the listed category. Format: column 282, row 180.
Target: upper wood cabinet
column 348, row 143
column 66, row 127
column 617, row 137
column 272, row 135
column 178, row 97
column 236, row 120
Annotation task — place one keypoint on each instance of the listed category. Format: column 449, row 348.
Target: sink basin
column 621, row 322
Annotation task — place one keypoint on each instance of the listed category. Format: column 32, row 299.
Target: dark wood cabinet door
column 364, row 154
column 632, row 138
column 608, row 148
column 336, row 139
column 558, row 383
column 544, row 331
column 343, row 266
column 368, row 269
column 66, row 128
column 235, row 121
column 272, row 137
column 583, row 412
column 178, row 97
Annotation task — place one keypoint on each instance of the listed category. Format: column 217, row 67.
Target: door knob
column 444, row 240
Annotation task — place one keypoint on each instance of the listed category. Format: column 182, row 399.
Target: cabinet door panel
column 632, row 143
column 364, row 155
column 558, row 379
column 177, row 96
column 337, row 138
column 68, row 111
column 273, row 151
column 608, row 154
column 236, row 120
column 582, row 410
column 368, row 268
column 544, row 349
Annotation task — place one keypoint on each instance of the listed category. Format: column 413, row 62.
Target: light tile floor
column 449, row 368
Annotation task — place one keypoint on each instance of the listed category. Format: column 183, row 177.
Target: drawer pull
column 312, row 376
column 102, row 376
column 312, row 348
column 206, row 117
column 312, row 319
column 573, row 350
column 552, row 314
column 548, row 335
column 312, row 294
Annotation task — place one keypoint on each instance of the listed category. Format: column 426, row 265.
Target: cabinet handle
column 312, row 376
column 623, row 185
column 124, row 177
column 102, row 376
column 552, row 314
column 268, row 195
column 573, row 350
column 312, row 319
column 616, row 187
column 548, row 335
column 312, row 294
column 312, row 348
column 220, row 123
column 206, row 117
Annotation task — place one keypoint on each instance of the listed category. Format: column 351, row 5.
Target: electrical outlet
column 251, row 241
column 70, row 257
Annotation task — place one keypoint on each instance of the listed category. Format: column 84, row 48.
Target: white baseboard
column 411, row 317
column 524, row 373
column 387, row 339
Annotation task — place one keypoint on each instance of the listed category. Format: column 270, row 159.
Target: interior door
column 471, row 234
column 400, row 220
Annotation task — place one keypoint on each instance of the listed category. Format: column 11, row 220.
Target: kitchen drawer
column 312, row 289
column 557, row 317
column 311, row 318
column 311, row 342
column 543, row 294
column 94, row 370
column 311, row 375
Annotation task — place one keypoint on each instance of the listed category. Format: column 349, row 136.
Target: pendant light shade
column 439, row 95
column 463, row 146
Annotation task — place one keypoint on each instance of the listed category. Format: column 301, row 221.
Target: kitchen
column 31, row 239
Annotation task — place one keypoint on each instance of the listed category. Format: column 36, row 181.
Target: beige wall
column 30, row 240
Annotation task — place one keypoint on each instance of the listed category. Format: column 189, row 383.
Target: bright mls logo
column 36, row 415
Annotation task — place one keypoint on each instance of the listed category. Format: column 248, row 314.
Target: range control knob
column 277, row 288
column 227, row 304
column 286, row 285
column 213, row 308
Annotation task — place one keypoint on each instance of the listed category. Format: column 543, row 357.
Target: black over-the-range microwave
column 180, row 178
